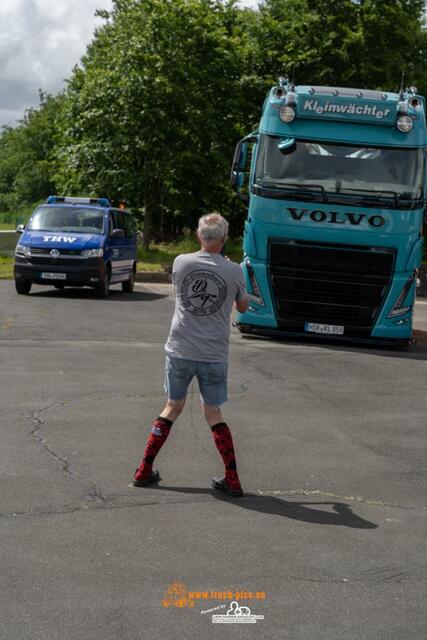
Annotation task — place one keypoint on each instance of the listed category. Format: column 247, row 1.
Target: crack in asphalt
column 329, row 494
column 382, row 575
column 93, row 493
column 108, row 502
column 106, row 505
column 99, row 501
column 118, row 620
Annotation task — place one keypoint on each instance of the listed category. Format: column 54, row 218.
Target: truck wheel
column 23, row 286
column 103, row 288
column 128, row 285
column 244, row 328
column 59, row 286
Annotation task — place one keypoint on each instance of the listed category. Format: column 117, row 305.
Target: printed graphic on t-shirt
column 203, row 292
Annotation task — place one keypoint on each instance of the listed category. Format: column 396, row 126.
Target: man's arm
column 242, row 300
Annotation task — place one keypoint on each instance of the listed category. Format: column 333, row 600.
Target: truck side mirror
column 287, row 145
column 236, row 167
column 237, row 176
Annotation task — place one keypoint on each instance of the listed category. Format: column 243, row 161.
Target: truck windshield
column 70, row 219
column 340, row 172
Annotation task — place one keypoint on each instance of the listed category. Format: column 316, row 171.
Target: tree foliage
column 359, row 43
column 27, row 155
column 151, row 114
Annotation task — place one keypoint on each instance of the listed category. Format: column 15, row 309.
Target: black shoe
column 145, row 482
column 222, row 485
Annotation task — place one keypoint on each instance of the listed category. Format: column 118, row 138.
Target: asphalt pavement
column 329, row 542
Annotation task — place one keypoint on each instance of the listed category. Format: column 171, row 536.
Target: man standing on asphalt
column 206, row 287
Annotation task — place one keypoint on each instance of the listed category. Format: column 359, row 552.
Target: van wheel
column 129, row 285
column 23, row 286
column 103, row 288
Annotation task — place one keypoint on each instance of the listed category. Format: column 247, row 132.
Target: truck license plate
column 46, row 275
column 328, row 329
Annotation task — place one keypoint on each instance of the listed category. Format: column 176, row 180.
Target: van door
column 122, row 249
column 116, row 247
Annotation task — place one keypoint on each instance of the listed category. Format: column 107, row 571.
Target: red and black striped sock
column 224, row 443
column 159, row 432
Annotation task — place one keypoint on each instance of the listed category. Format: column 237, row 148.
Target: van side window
column 129, row 224
column 112, row 223
column 122, row 220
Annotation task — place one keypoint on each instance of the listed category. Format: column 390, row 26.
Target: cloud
column 40, row 42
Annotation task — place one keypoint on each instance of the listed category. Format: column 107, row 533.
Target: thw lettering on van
column 69, row 239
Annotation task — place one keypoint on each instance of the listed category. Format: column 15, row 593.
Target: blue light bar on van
column 103, row 202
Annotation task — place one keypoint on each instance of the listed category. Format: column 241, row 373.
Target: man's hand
column 242, row 305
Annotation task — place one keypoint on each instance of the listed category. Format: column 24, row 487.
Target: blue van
column 76, row 242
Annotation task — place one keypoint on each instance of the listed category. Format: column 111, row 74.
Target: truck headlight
column 404, row 124
column 92, row 253
column 254, row 292
column 398, row 309
column 22, row 250
column 287, row 114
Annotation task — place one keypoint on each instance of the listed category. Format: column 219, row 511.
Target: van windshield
column 341, row 169
column 70, row 219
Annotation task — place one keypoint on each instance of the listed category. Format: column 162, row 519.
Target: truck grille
column 329, row 284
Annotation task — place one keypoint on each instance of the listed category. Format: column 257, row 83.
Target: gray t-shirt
column 206, row 286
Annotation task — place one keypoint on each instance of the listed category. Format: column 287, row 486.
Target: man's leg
column 178, row 375
column 224, row 443
column 160, row 430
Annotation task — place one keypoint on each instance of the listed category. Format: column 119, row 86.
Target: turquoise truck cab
column 76, row 242
column 335, row 194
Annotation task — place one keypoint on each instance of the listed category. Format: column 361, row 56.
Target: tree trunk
column 151, row 208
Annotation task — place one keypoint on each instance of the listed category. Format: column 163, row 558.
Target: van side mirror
column 117, row 233
column 20, row 228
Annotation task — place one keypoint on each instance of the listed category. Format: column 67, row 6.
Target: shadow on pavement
column 342, row 513
column 113, row 296
column 416, row 351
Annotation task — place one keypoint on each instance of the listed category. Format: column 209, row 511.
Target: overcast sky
column 40, row 42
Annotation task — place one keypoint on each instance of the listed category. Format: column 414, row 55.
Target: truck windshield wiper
column 301, row 189
column 368, row 196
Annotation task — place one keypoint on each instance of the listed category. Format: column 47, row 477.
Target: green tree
column 27, row 164
column 153, row 112
column 363, row 43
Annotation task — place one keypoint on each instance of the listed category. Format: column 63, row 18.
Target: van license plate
column 328, row 329
column 53, row 276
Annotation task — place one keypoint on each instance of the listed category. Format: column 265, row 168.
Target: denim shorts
column 211, row 376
